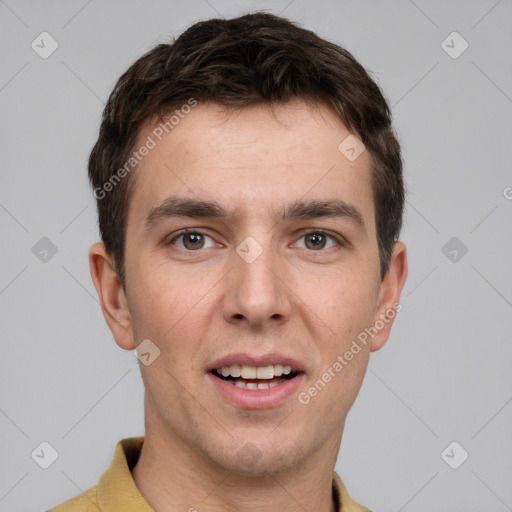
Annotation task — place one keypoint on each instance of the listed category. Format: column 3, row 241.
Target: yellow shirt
column 116, row 490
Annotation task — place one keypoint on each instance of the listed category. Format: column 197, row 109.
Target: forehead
column 254, row 160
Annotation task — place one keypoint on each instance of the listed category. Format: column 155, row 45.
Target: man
column 250, row 196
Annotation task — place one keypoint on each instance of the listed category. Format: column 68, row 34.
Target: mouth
column 255, row 383
column 255, row 377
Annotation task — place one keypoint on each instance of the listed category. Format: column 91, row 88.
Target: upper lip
column 255, row 360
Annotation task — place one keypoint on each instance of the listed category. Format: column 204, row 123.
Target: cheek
column 157, row 304
column 344, row 301
column 346, row 305
column 172, row 311
column 343, row 356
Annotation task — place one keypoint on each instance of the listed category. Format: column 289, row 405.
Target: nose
column 257, row 293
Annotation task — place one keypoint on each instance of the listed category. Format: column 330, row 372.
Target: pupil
column 193, row 240
column 317, row 239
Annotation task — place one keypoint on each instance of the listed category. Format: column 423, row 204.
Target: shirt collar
column 117, row 489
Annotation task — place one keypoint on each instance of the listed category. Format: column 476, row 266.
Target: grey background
column 445, row 373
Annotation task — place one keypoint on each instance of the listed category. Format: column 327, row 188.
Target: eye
column 191, row 240
column 317, row 240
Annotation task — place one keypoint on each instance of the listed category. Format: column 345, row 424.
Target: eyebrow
column 175, row 206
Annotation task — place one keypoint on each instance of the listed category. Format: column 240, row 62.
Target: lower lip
column 256, row 398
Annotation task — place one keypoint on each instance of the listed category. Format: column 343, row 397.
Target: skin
column 199, row 305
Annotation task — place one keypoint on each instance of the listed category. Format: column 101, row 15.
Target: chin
column 260, row 457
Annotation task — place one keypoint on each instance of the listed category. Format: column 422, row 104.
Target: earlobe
column 389, row 295
column 111, row 295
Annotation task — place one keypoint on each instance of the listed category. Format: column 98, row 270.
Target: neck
column 172, row 476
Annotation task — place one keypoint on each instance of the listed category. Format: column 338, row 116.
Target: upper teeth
column 254, row 372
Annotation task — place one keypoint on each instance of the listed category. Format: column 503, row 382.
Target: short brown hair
column 255, row 58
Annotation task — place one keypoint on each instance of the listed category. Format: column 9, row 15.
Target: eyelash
column 340, row 241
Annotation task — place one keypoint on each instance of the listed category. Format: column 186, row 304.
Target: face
column 256, row 305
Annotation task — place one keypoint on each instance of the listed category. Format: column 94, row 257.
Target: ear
column 389, row 295
column 112, row 297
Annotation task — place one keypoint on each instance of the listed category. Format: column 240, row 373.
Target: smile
column 255, row 377
column 248, row 383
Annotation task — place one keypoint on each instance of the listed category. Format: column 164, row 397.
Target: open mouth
column 255, row 377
